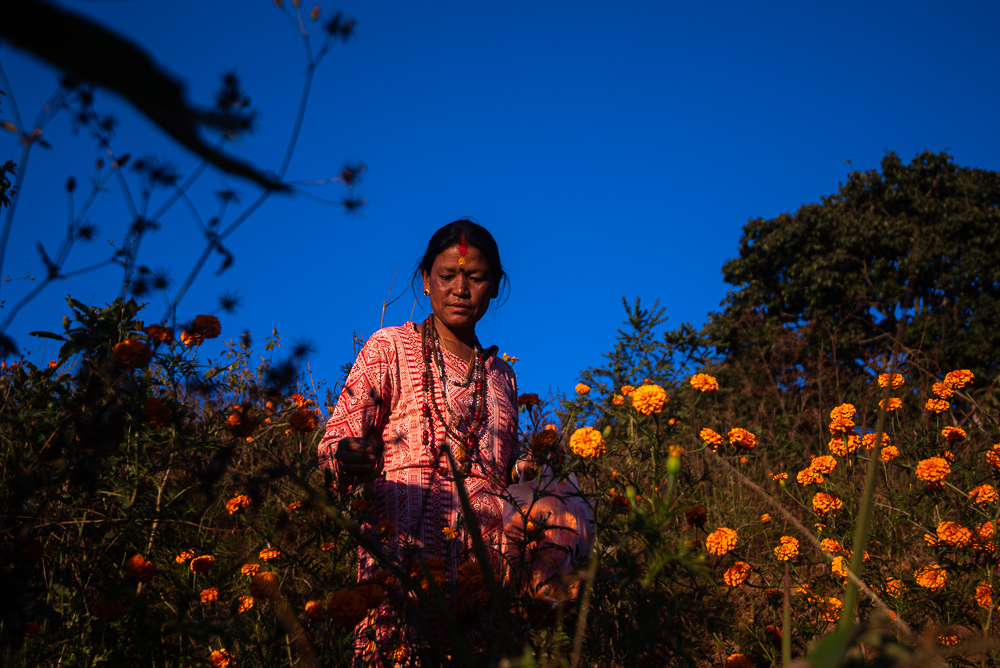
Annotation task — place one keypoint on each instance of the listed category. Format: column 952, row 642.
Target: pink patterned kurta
column 383, row 394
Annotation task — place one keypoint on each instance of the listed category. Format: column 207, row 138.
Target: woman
column 419, row 401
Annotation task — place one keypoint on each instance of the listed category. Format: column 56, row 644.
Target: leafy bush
column 158, row 508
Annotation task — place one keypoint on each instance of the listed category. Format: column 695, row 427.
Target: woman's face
column 460, row 295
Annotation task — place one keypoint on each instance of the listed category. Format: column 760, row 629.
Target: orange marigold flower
column 823, row 464
column 246, row 603
column 140, row 569
column 721, row 541
column 842, row 448
column 328, row 547
column 627, row 390
column 788, row 549
column 953, row 533
column 265, row 585
column 843, row 412
column 206, row 326
column 711, row 437
column 158, row 415
column 737, row 574
column 209, row 596
column 159, row 333
column 842, row 427
column 931, row 577
column 819, row 526
column 889, row 453
column 930, row 539
column 237, row 503
column 937, row 405
column 220, row 658
column 932, row 469
column 300, row 401
column 250, row 569
column 809, row 477
column 894, row 587
column 240, row 425
column 984, row 595
column 269, row 553
column 315, row 610
column 587, row 442
column 773, row 632
column 831, row 610
column 649, row 399
column 294, row 505
column 189, row 338
column 948, row 639
column 741, row 439
column 984, row 543
column 704, row 383
column 897, row 380
column 303, row 420
column 132, row 354
column 895, row 403
column 184, row 556
column 544, row 441
column 954, row 434
column 618, row 400
column 737, row 661
column 582, row 389
column 830, row 545
column 202, row 564
column 778, row 477
column 347, row 608
column 765, row 518
column 942, row 390
column 993, row 457
column 983, row 495
column 869, row 441
column 824, row 503
column 956, row 380
column 107, row 610
column 948, row 456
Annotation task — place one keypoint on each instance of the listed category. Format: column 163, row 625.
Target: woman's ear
column 426, row 280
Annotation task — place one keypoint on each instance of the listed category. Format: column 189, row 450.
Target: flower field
column 161, row 508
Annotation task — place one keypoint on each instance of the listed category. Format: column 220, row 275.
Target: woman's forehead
column 451, row 256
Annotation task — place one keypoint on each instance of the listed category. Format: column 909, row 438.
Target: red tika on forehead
column 462, row 248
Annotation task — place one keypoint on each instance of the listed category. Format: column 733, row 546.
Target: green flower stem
column 786, row 622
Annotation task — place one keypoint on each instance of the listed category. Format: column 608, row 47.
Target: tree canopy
column 918, row 240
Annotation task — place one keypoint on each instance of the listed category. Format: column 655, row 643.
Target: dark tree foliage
column 818, row 292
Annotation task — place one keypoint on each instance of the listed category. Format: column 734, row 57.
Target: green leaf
column 47, row 335
column 831, row 650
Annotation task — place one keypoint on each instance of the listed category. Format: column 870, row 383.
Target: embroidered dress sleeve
column 365, row 404
column 508, row 437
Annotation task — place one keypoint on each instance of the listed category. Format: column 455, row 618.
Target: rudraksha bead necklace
column 432, row 353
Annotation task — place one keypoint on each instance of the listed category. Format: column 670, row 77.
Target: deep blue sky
column 612, row 149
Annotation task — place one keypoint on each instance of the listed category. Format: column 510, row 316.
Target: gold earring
column 427, row 291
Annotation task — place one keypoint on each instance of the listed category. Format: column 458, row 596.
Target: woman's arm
column 351, row 449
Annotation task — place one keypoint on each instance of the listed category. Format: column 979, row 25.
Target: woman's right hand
column 359, row 457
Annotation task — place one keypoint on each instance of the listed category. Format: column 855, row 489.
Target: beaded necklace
column 465, row 442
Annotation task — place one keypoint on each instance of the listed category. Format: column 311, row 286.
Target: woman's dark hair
column 475, row 235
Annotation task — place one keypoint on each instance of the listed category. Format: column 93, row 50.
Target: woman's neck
column 461, row 341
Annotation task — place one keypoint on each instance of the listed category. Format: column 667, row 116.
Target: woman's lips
column 460, row 307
